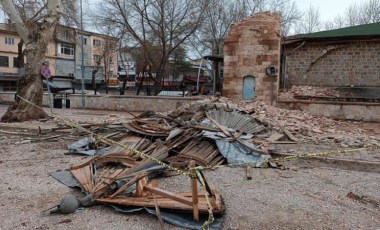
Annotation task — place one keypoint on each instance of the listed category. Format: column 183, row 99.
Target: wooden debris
column 99, row 177
column 248, row 172
column 275, row 137
column 203, row 152
column 194, row 189
column 158, row 214
column 289, row 134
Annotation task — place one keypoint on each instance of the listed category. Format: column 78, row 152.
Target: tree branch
column 13, row 14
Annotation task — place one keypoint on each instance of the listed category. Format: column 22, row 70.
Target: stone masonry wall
column 251, row 46
column 350, row 63
column 115, row 102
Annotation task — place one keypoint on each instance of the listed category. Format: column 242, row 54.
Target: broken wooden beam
column 289, row 134
column 194, row 189
column 170, row 195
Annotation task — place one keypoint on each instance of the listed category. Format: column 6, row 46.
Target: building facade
column 8, row 56
column 63, row 56
column 336, row 58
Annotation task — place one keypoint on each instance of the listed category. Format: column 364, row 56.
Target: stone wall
column 251, row 46
column 115, row 102
column 130, row 103
column 336, row 64
column 359, row 111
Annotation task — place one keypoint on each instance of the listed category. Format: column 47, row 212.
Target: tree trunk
column 106, row 80
column 36, row 38
column 93, row 78
column 31, row 89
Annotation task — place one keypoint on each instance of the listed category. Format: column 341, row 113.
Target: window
column 96, row 42
column 66, row 34
column 84, row 40
column 16, row 64
column 4, row 61
column 97, row 58
column 9, row 41
column 67, row 50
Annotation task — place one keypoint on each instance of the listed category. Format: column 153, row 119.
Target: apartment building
column 63, row 57
column 8, row 56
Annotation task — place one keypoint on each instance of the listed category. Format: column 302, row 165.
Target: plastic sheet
column 85, row 147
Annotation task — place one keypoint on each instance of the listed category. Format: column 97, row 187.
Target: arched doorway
column 249, row 83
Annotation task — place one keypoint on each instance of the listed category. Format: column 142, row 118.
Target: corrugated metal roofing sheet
column 236, row 120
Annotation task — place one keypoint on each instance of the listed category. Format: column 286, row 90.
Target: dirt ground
column 303, row 194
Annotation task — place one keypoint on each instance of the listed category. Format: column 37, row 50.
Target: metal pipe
column 82, row 56
column 199, row 73
column 214, row 76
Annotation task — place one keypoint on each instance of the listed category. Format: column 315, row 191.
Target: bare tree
column 165, row 24
column 288, row 9
column 223, row 13
column 353, row 15
column 36, row 33
column 310, row 22
column 357, row 14
column 105, row 51
column 289, row 12
column 107, row 54
column 338, row 22
column 216, row 24
column 69, row 15
column 370, row 11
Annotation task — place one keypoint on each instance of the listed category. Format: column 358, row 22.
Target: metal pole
column 214, row 76
column 82, row 56
column 49, row 93
column 199, row 73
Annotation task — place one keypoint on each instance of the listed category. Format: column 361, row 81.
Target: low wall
column 7, row 97
column 115, row 102
column 358, row 111
column 130, row 103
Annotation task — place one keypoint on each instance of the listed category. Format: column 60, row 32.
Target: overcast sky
column 328, row 9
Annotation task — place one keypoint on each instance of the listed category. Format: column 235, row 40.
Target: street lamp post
column 82, row 56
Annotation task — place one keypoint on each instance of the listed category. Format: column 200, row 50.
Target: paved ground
column 304, row 194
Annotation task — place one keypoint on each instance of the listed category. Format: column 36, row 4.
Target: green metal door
column 249, row 87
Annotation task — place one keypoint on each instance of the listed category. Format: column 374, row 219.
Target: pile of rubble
column 308, row 91
column 129, row 159
column 206, row 134
column 305, row 127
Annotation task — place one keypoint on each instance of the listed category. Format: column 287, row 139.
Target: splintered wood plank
column 216, row 201
column 165, row 203
column 83, row 164
column 83, row 176
column 128, row 184
column 158, row 214
column 194, row 188
column 140, row 186
column 134, row 142
column 160, row 153
column 126, row 160
column 275, row 137
column 170, row 195
column 201, row 151
column 107, row 179
column 289, row 134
